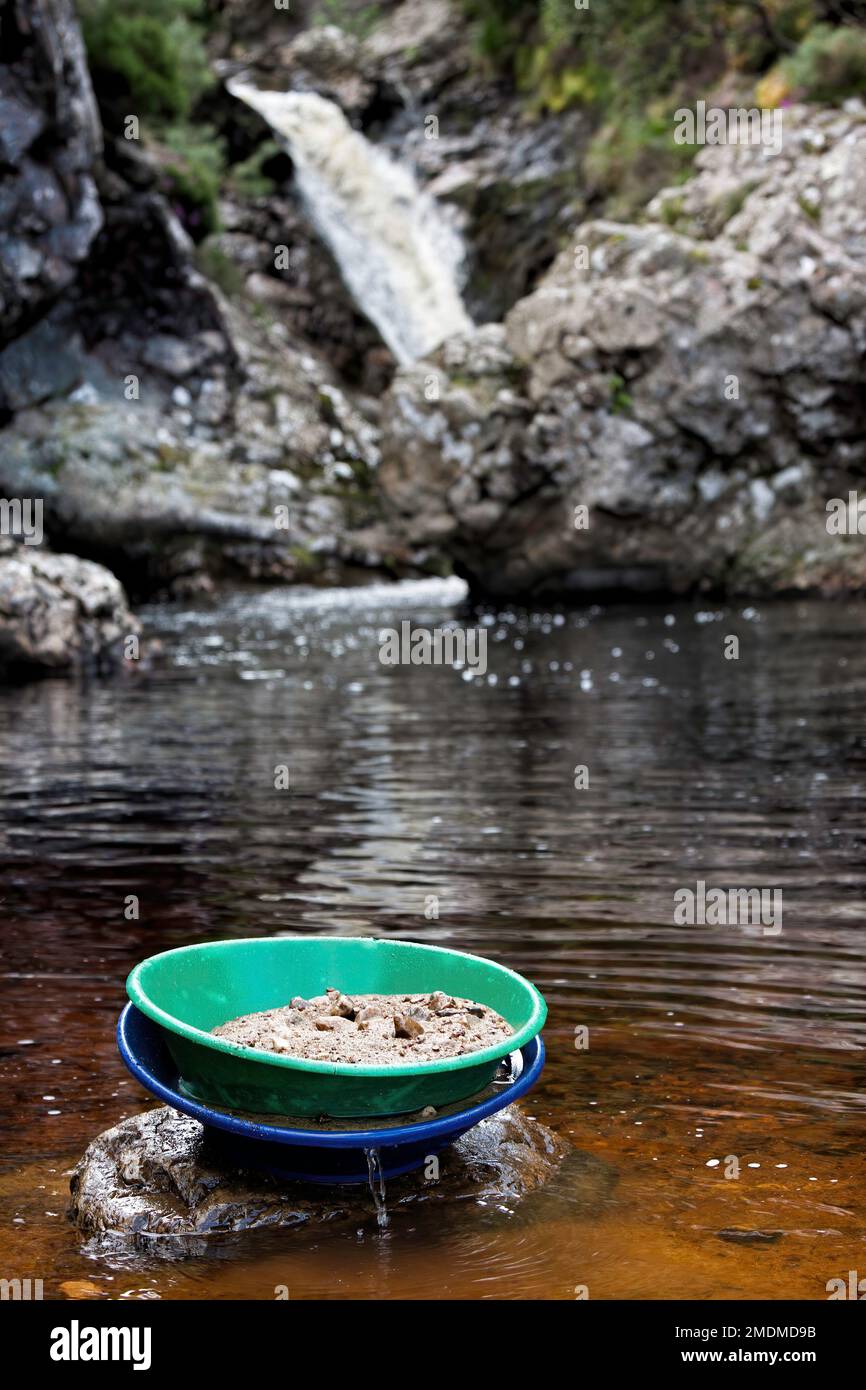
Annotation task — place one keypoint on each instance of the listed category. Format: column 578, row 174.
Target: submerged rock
column 59, row 611
column 152, row 1183
column 741, row 1237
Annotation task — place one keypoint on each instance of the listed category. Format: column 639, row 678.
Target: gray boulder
column 261, row 472
column 57, row 611
column 693, row 382
column 154, row 1175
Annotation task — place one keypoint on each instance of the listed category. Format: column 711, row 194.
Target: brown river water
column 704, row 1041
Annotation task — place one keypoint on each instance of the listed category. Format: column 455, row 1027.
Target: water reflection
column 416, row 784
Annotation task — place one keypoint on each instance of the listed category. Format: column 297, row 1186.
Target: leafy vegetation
column 147, row 59
column 632, row 63
column 645, row 48
column 148, row 54
column 192, row 170
column 829, row 65
column 250, row 177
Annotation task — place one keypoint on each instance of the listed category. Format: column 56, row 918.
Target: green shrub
column 146, row 54
column 647, row 48
column 249, row 178
column 620, row 400
column 147, row 58
column 501, row 27
column 192, row 171
column 829, row 65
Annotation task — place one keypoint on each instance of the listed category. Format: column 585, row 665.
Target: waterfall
column 397, row 253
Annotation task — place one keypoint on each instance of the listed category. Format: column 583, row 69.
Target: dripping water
column 376, row 1179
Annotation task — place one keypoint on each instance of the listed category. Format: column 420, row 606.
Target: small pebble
column 406, row 1026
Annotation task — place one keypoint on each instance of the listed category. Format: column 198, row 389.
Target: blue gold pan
column 330, row 1151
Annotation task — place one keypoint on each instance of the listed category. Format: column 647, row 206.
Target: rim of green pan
column 518, row 1039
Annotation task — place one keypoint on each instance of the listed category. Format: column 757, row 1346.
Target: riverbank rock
column 675, row 404
column 152, row 1183
column 266, row 475
column 57, row 611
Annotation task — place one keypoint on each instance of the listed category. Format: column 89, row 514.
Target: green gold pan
column 190, row 990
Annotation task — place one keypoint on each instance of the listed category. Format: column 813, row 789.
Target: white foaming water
column 396, row 252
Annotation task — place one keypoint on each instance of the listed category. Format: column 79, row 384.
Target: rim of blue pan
column 164, row 1087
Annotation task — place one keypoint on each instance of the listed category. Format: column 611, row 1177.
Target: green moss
column 306, row 562
column 359, row 20
column 213, row 263
column 732, row 202
column 673, row 211
column 631, row 157
column 169, row 457
column 812, row 210
column 620, row 400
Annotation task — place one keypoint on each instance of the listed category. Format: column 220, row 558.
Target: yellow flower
column 773, row 88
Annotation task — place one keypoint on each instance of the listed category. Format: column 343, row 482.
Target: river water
column 704, row 1042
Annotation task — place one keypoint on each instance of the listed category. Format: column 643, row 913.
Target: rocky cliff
column 175, row 432
column 645, row 406
column 675, row 403
column 50, row 140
